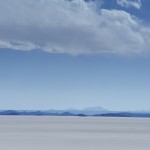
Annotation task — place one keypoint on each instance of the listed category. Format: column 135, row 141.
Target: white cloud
column 70, row 26
column 130, row 3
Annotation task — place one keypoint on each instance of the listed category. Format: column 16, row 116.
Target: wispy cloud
column 70, row 26
column 130, row 3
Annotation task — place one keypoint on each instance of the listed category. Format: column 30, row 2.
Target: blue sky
column 74, row 54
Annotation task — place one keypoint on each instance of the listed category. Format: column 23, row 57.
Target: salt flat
column 74, row 133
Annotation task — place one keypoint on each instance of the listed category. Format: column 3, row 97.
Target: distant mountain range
column 86, row 111
column 90, row 111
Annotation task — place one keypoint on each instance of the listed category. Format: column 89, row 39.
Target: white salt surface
column 74, row 133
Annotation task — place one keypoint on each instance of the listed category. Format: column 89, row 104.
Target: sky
column 74, row 54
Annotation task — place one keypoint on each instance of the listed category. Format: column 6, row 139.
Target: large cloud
column 70, row 26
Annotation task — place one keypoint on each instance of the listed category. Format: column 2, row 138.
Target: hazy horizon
column 83, row 108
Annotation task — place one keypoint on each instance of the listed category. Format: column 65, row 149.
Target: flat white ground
column 73, row 133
